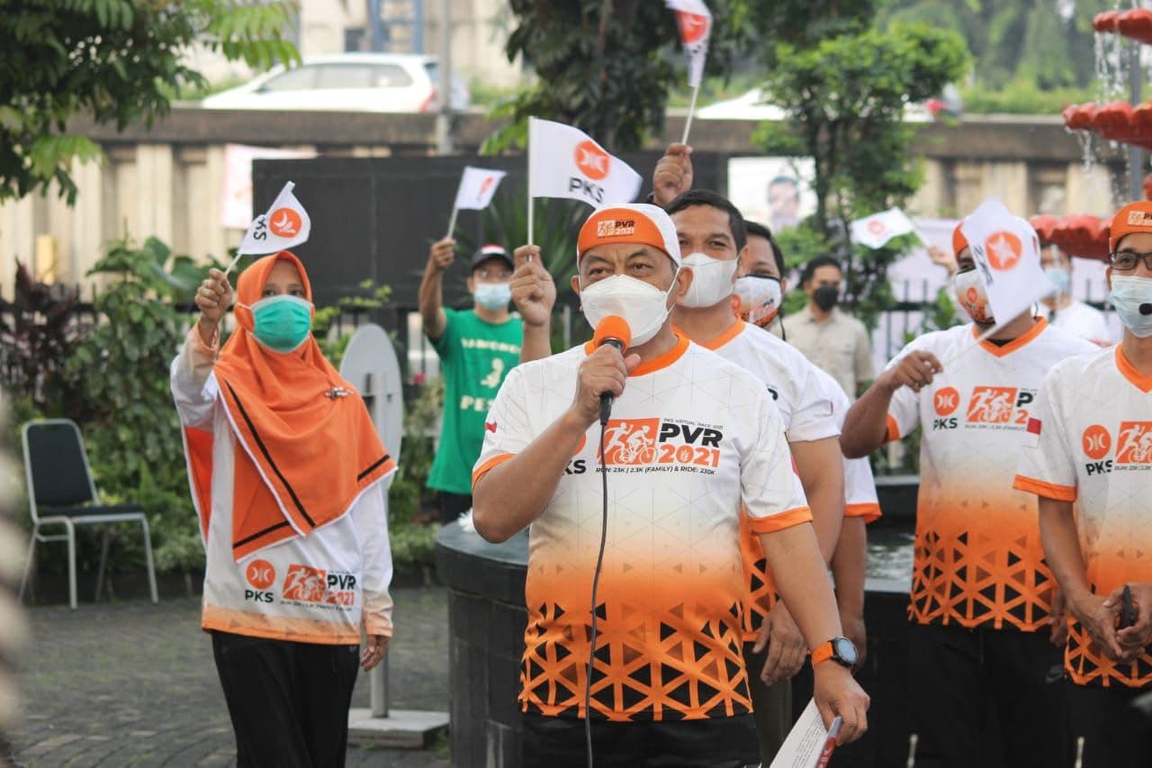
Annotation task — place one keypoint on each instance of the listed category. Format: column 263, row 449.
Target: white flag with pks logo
column 564, row 162
column 1007, row 254
column 284, row 225
column 876, row 230
column 695, row 23
column 477, row 186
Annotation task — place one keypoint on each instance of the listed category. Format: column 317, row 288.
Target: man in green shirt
column 477, row 348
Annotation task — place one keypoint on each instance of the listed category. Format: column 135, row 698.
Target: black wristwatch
column 839, row 649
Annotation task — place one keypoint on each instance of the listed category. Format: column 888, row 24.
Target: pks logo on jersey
column 305, row 584
column 946, row 401
column 1135, row 443
column 992, row 405
column 1096, row 442
column 260, row 575
column 667, row 444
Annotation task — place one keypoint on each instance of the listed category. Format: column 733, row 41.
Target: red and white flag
column 695, row 23
column 565, row 162
column 477, row 186
column 1007, row 254
column 876, row 230
column 284, row 225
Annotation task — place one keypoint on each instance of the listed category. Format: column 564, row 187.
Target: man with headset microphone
column 690, row 438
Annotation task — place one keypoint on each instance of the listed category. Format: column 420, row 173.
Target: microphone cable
column 595, row 585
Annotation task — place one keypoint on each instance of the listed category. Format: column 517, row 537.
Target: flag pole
column 233, row 264
column 956, row 355
column 531, row 176
column 691, row 111
column 452, row 222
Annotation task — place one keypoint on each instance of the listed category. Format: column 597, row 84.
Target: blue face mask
column 493, row 296
column 282, row 323
column 1061, row 278
column 1132, row 297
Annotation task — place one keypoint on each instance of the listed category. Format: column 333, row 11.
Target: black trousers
column 1115, row 735
column 771, row 705
column 288, row 701
column 986, row 697
column 558, row 742
column 452, row 505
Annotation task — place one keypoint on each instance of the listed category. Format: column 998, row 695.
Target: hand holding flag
column 477, row 187
column 695, row 23
column 284, row 225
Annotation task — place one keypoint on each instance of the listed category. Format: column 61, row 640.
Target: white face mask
column 969, row 289
column 644, row 307
column 760, row 297
column 711, row 280
column 1132, row 298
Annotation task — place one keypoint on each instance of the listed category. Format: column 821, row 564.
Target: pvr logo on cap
column 1139, row 219
column 1004, row 250
column 614, row 228
column 594, row 163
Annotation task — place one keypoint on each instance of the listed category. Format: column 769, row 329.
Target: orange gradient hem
column 488, row 466
column 773, row 523
column 870, row 512
column 279, row 628
column 1047, row 490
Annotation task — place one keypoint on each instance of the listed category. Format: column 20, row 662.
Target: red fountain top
column 1135, row 24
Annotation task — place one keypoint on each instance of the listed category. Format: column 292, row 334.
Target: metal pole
column 1135, row 153
column 444, row 119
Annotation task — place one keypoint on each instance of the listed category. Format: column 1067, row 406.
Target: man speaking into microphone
column 689, row 439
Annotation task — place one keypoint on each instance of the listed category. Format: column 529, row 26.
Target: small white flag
column 284, row 225
column 695, row 23
column 876, row 230
column 477, row 186
column 1007, row 255
column 564, row 162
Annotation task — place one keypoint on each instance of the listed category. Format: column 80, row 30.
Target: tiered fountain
column 1116, row 121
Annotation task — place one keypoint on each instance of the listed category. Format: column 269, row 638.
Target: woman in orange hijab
column 286, row 471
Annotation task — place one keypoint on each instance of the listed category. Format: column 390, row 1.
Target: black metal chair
column 61, row 492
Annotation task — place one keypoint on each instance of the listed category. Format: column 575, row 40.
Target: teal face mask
column 282, row 323
column 1061, row 278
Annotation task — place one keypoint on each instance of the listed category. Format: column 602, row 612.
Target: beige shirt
column 839, row 345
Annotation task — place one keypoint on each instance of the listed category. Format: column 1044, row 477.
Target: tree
column 846, row 86
column 115, row 61
column 606, row 66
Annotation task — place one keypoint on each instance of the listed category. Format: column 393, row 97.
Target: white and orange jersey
column 1091, row 443
column 691, row 438
column 978, row 560
column 860, row 499
column 812, row 406
column 317, row 588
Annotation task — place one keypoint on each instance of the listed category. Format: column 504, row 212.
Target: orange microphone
column 614, row 331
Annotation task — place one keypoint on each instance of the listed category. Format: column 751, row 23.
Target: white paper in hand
column 1007, row 255
column 284, row 225
column 805, row 742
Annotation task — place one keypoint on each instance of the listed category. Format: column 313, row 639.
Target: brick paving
column 133, row 684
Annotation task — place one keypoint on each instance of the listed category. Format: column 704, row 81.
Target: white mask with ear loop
column 644, row 307
column 711, row 280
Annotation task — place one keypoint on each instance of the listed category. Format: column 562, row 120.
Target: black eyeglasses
column 1125, row 261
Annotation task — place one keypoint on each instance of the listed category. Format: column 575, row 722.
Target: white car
column 351, row 82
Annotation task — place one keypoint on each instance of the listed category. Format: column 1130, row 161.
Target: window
column 390, row 76
column 299, row 79
column 344, row 76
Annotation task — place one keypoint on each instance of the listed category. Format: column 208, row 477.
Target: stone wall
column 168, row 180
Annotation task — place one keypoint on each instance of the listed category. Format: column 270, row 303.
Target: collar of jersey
column 1142, row 383
column 655, row 364
column 735, row 330
column 1013, row 345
